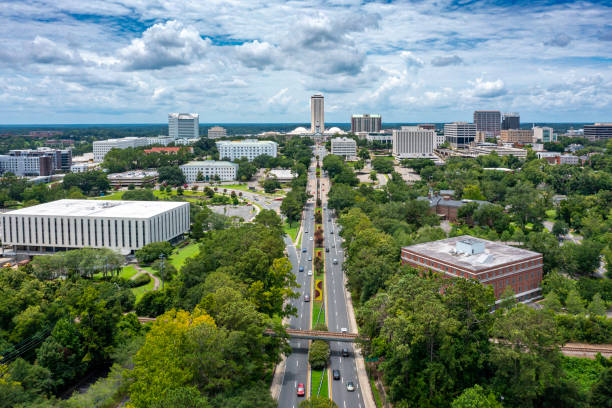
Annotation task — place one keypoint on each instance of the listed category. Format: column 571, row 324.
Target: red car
column 300, row 390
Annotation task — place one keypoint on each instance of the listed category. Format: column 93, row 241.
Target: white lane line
column 297, row 363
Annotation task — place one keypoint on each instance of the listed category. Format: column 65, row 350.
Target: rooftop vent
column 470, row 247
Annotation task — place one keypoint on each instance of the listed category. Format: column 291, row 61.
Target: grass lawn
column 377, row 399
column 140, row 291
column 178, row 258
column 316, row 307
column 299, row 244
column 316, row 380
column 551, row 215
column 127, row 272
column 291, row 230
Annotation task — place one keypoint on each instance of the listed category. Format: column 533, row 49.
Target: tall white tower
column 184, row 125
column 317, row 114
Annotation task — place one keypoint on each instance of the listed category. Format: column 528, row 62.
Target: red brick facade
column 524, row 276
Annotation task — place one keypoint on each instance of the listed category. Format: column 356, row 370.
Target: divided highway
column 296, row 367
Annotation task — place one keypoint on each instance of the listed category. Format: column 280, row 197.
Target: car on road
column 310, row 272
column 300, row 390
column 311, row 238
column 350, row 386
column 305, row 232
column 306, row 298
column 335, row 261
column 345, row 352
column 336, row 374
column 304, row 250
column 343, row 330
column 331, row 231
column 301, row 269
column 326, row 249
column 309, row 258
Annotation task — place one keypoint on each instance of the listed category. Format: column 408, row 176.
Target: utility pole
column 161, row 269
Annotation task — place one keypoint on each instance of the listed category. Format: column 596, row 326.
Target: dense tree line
column 433, row 345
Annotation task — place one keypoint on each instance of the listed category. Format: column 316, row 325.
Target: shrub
column 140, row 280
column 318, row 354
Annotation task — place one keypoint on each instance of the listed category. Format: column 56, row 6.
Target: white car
column 310, row 272
column 311, row 238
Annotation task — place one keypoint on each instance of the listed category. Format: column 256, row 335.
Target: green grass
column 315, row 379
column 127, row 272
column 315, row 312
column 551, row 214
column 299, row 244
column 113, row 196
column 179, row 257
column 140, row 291
column 292, row 230
column 377, row 398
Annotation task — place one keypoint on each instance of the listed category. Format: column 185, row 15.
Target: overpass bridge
column 317, row 335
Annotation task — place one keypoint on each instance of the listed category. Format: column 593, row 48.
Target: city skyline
column 131, row 63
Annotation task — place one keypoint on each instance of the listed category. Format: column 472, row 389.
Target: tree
column 271, row 185
column 597, row 307
column 601, row 391
column 200, row 176
column 552, row 302
column 318, row 355
column 472, row 192
column 341, row 196
column 269, row 218
column 151, row 252
column 476, row 397
column 373, row 176
column 559, row 229
column 171, row 175
column 382, row 164
column 318, row 402
column 182, row 397
column 364, row 154
column 581, row 259
column 291, row 207
column 333, row 165
column 89, row 182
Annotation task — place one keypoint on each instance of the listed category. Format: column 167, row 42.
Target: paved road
column 337, row 307
column 296, row 366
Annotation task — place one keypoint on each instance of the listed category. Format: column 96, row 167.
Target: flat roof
column 210, row 163
column 495, row 253
column 100, row 208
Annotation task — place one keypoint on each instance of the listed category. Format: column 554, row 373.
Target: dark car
column 301, row 269
column 303, row 249
column 345, row 352
column 327, row 249
column 306, row 298
column 336, row 374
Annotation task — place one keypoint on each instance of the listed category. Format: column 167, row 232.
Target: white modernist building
column 101, row 147
column 543, row 134
column 184, row 125
column 124, row 226
column 249, row 148
column 460, row 134
column 217, row 132
column 317, row 114
column 209, row 169
column 413, row 142
column 344, row 146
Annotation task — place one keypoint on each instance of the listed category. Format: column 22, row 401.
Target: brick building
column 490, row 263
column 444, row 206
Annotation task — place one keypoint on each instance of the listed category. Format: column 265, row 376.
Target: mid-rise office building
column 459, row 134
column 543, row 135
column 124, row 226
column 42, row 161
column 413, row 141
column 598, row 131
column 511, row 120
column 101, row 147
column 366, row 123
column 217, row 132
column 519, row 136
column 317, row 114
column 439, row 139
column 249, row 148
column 488, row 121
column 344, row 146
column 208, row 170
column 490, row 263
column 184, row 125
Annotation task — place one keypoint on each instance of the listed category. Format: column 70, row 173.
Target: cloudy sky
column 133, row 61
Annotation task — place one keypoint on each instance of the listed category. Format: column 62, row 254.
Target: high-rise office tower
column 598, row 131
column 317, row 114
column 511, row 120
column 366, row 123
column 184, row 125
column 488, row 121
column 460, row 134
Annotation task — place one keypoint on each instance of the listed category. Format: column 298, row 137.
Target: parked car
column 350, row 386
column 336, row 374
column 301, row 269
column 306, row 298
column 345, row 352
column 300, row 390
